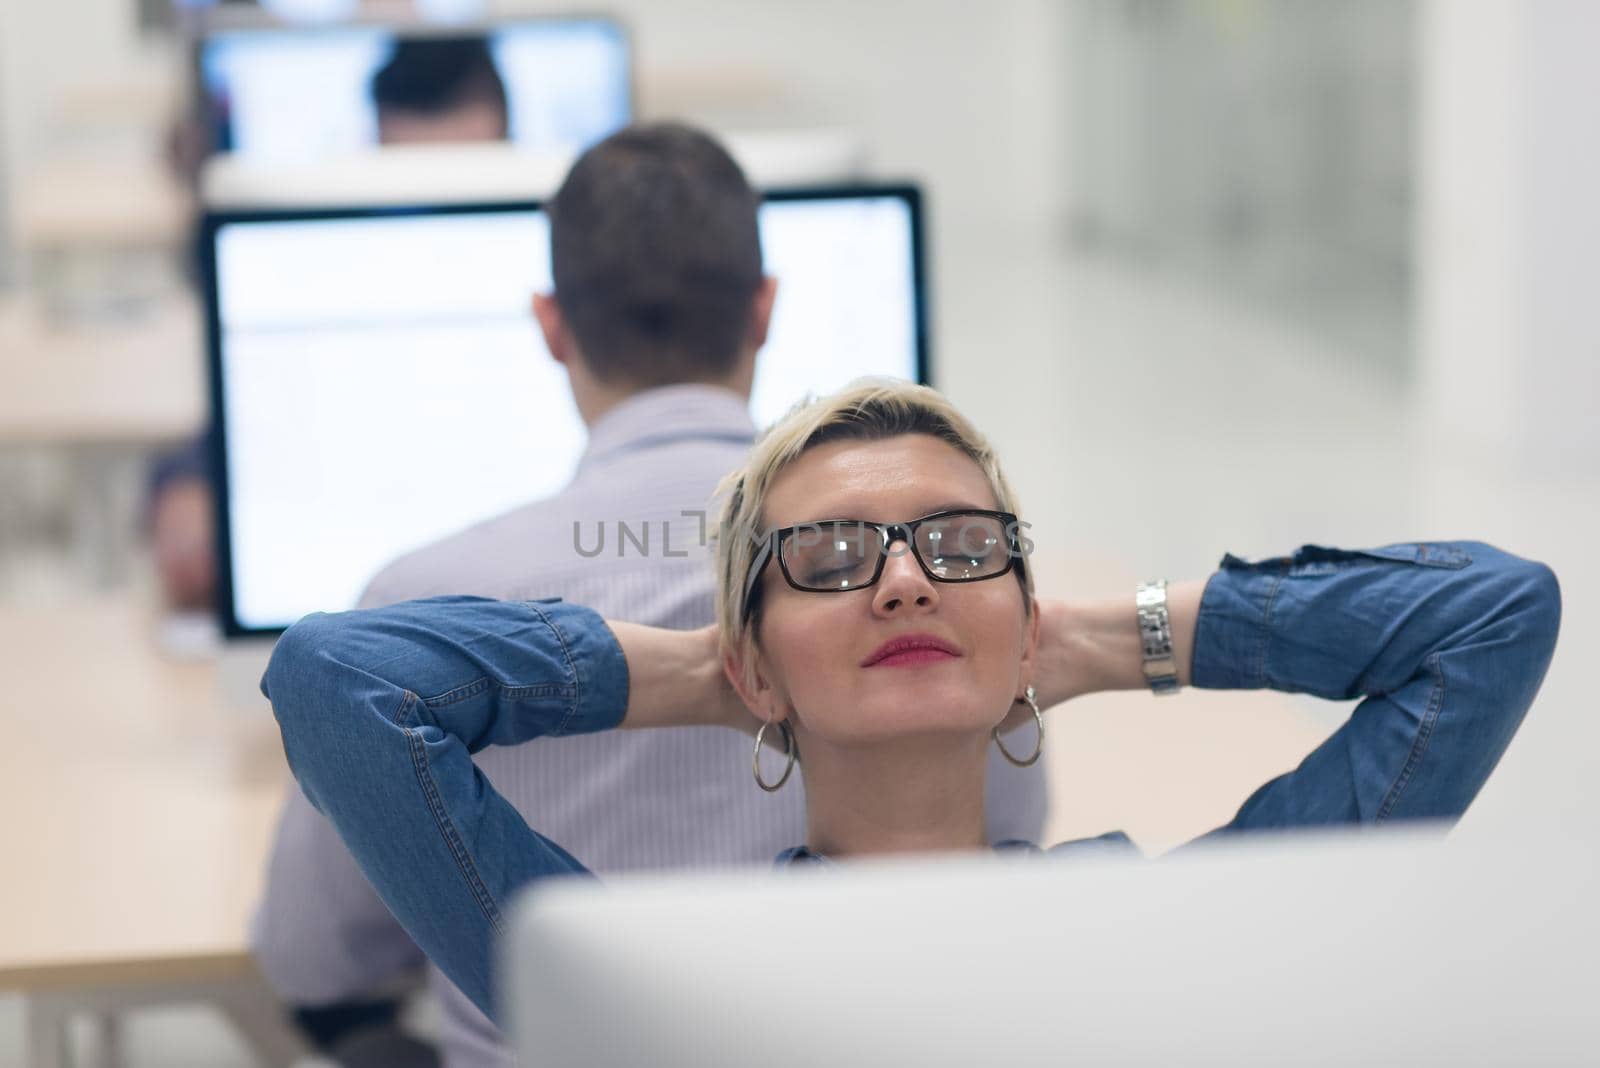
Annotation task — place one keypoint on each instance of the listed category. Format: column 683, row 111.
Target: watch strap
column 1155, row 636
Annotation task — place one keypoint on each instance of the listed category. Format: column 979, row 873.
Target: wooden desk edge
column 195, row 968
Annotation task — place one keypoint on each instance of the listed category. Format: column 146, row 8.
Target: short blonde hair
column 868, row 409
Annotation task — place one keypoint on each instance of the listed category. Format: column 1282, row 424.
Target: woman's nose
column 903, row 583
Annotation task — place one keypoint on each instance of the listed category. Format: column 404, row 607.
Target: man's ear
column 765, row 702
column 553, row 325
column 761, row 312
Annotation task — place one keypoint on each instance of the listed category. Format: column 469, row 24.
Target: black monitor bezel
column 212, row 222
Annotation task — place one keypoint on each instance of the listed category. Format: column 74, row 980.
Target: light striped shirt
column 628, row 537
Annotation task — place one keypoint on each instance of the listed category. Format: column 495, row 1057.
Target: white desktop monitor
column 293, row 95
column 378, row 381
column 1388, row 948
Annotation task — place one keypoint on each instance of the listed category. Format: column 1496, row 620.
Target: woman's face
column 815, row 657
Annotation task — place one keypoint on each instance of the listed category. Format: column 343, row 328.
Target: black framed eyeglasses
column 838, row 555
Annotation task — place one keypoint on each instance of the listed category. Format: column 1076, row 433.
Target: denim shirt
column 380, row 711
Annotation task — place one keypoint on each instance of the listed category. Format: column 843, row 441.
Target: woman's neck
column 909, row 796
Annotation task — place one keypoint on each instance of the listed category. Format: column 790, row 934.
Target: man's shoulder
column 535, row 544
column 480, row 560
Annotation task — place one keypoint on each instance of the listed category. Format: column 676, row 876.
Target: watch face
column 1150, row 595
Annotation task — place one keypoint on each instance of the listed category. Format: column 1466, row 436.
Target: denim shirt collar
column 797, row 855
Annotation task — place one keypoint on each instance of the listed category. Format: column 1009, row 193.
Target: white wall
column 1560, row 200
column 1509, row 247
column 51, row 50
column 967, row 95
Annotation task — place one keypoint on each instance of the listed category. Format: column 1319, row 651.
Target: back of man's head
column 656, row 256
column 434, row 89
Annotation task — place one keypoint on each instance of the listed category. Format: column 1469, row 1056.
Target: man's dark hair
column 656, row 256
column 431, row 75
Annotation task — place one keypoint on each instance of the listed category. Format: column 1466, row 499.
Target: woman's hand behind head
column 676, row 679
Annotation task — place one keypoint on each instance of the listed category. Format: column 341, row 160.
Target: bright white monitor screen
column 368, row 363
column 295, row 96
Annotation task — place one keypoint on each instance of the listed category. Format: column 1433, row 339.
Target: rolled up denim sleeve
column 321, row 934
column 1445, row 643
column 380, row 711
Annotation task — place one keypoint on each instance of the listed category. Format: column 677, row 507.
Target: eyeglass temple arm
column 756, row 566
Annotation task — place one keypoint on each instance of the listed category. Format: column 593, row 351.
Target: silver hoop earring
column 1038, row 746
column 788, row 747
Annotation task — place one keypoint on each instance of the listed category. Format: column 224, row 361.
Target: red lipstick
column 909, row 649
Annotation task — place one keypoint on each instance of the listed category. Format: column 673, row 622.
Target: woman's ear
column 764, row 700
column 1030, row 647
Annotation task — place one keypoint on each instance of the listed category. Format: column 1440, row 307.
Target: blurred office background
column 1217, row 275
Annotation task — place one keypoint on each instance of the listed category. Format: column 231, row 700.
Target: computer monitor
column 378, row 381
column 289, row 95
column 1386, row 948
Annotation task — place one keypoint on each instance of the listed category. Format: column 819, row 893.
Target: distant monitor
column 289, row 95
column 378, row 381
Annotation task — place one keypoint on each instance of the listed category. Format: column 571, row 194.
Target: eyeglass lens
column 843, row 555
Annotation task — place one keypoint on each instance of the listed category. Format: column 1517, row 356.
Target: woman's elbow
column 1532, row 603
column 1522, row 615
column 301, row 677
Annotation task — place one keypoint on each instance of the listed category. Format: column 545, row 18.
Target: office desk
column 104, row 396
column 139, row 382
column 139, row 814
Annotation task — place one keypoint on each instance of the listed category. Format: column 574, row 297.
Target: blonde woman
column 877, row 630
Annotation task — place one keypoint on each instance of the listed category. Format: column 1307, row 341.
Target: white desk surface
column 99, row 203
column 139, row 812
column 140, row 382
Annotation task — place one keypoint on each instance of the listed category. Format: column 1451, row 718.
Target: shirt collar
column 666, row 414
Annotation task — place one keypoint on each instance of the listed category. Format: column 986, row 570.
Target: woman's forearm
column 676, row 679
column 1094, row 646
column 380, row 712
column 1446, row 643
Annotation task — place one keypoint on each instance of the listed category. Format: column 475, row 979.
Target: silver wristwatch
column 1155, row 634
